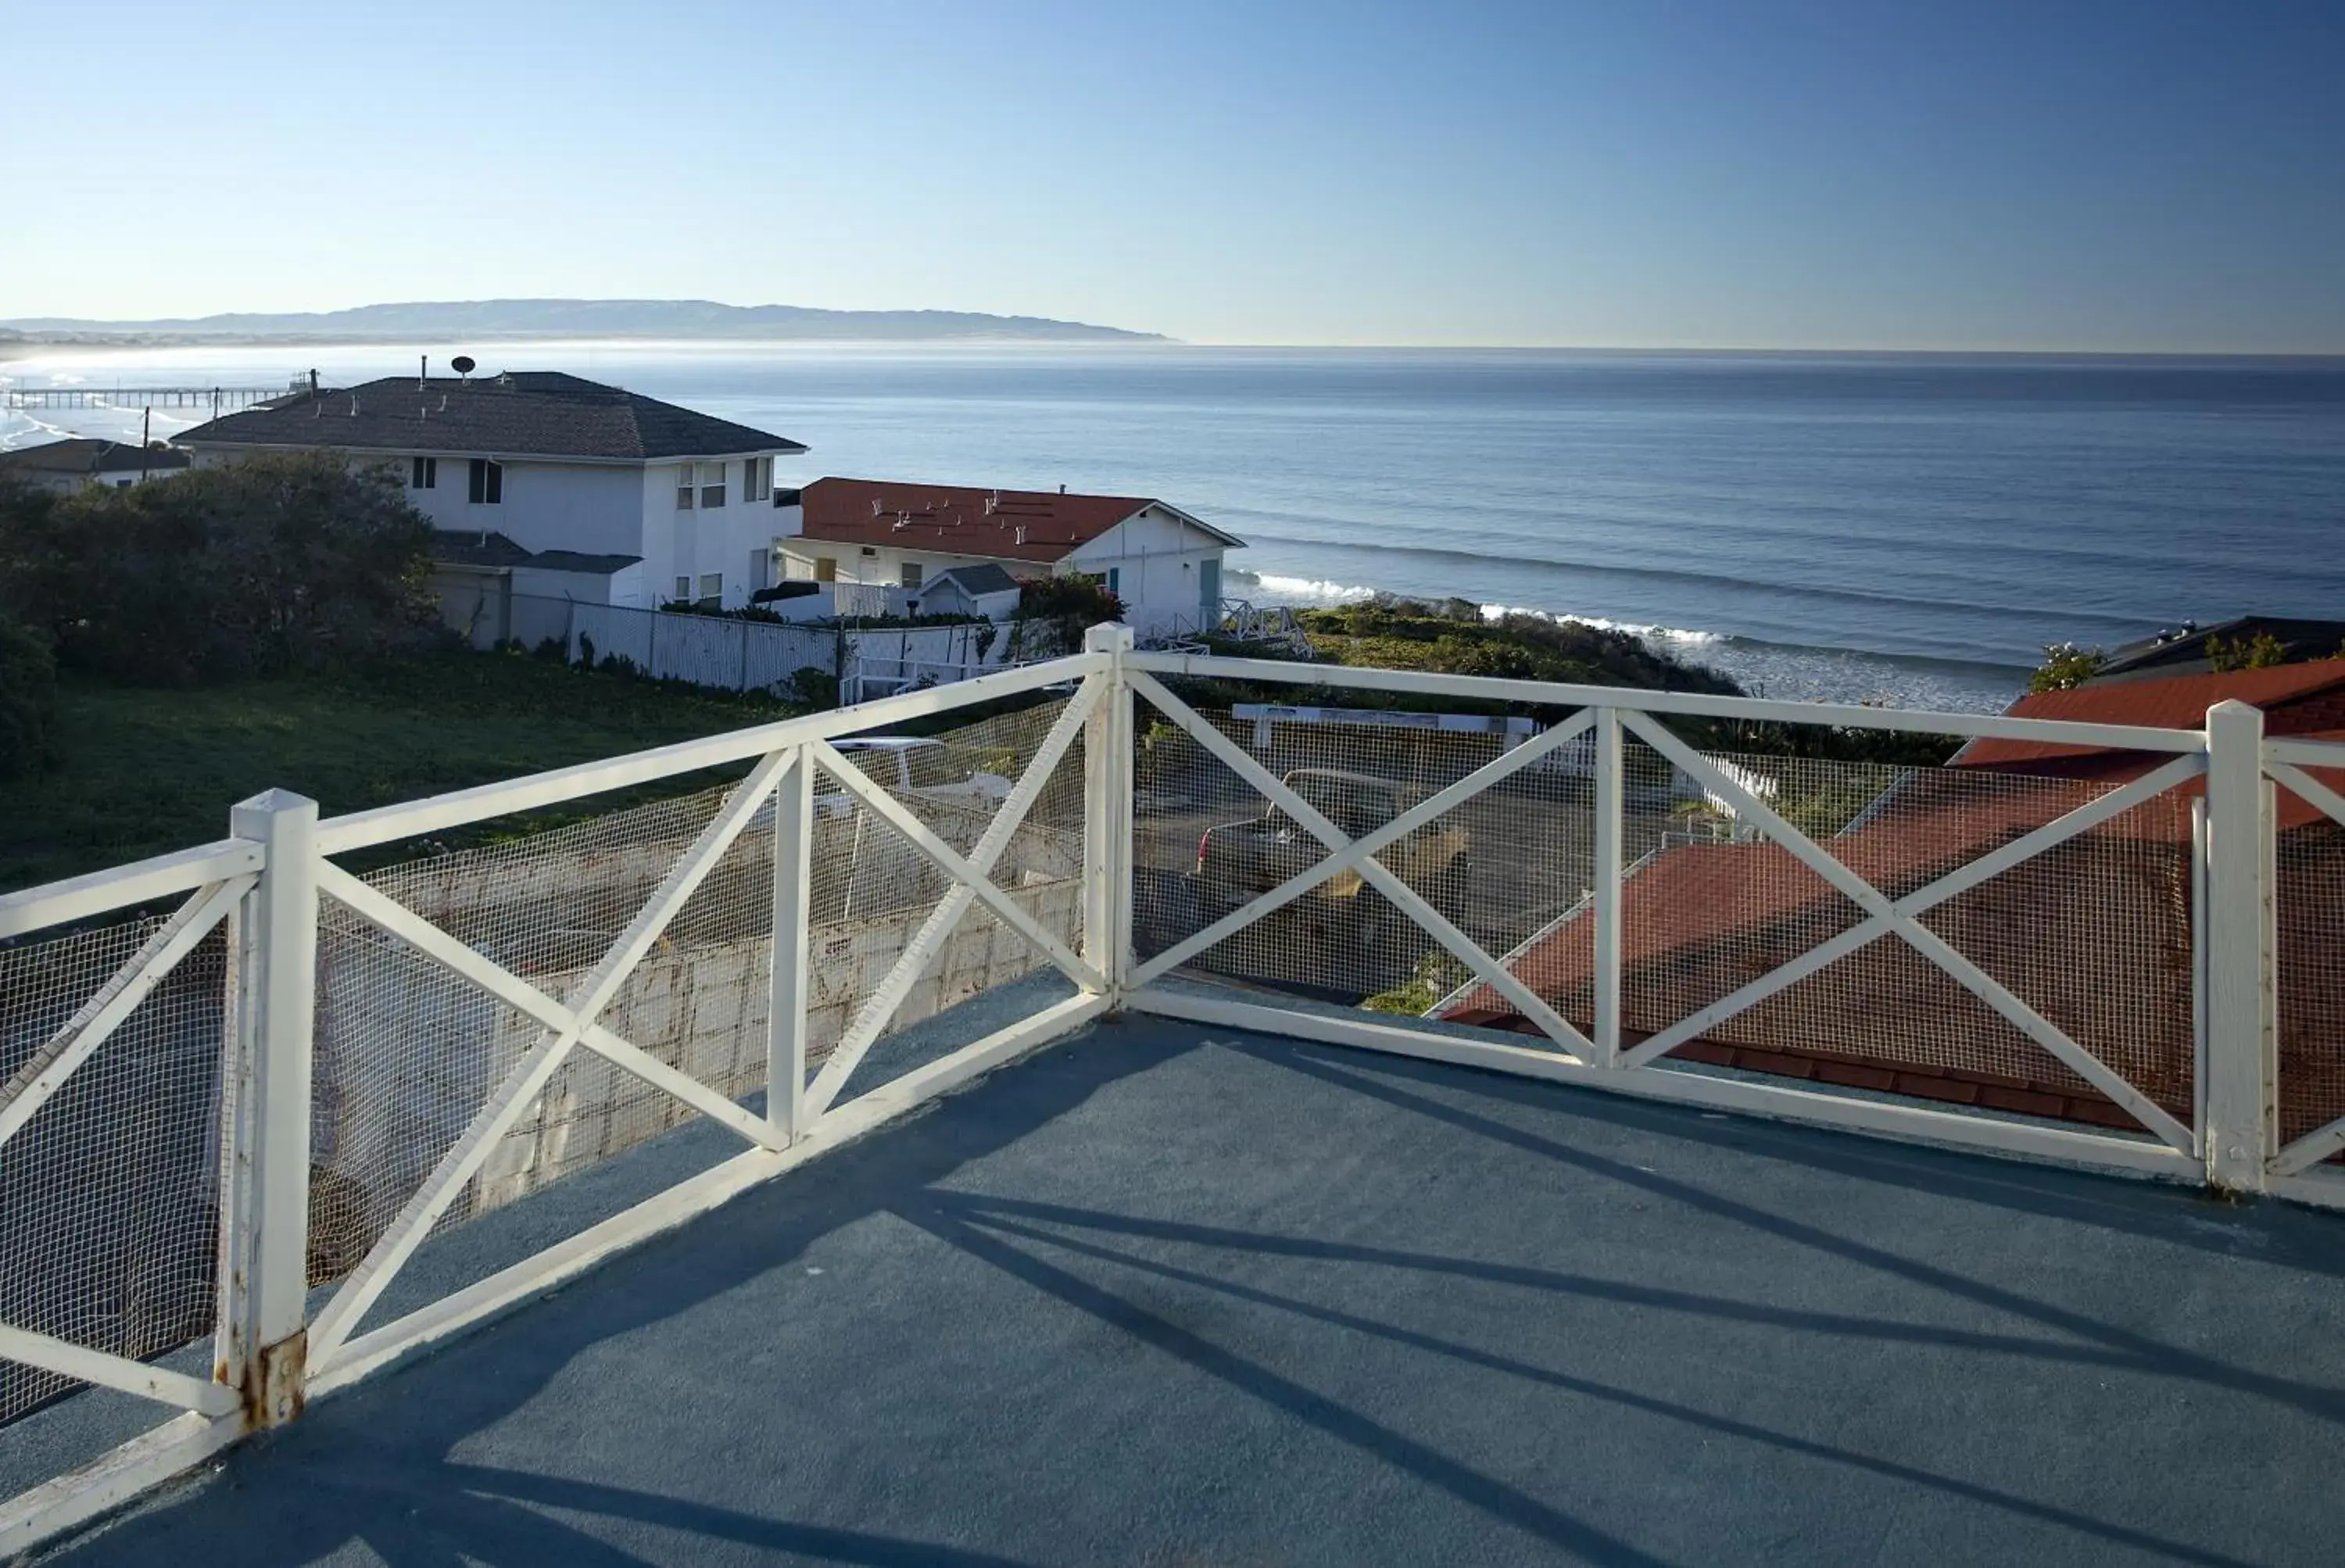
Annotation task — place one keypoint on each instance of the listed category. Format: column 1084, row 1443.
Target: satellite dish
column 462, row 364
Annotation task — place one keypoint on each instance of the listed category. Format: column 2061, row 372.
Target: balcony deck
column 1172, row 1295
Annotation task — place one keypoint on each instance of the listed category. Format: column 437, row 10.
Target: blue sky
column 2124, row 175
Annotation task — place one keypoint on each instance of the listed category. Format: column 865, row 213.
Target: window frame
column 423, row 472
column 825, row 568
column 485, row 485
column 712, row 589
column 712, row 496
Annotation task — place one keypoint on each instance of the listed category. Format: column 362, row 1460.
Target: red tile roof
column 1701, row 893
column 1689, row 897
column 1004, row 524
column 2179, row 702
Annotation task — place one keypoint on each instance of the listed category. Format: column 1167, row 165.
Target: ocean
column 1907, row 529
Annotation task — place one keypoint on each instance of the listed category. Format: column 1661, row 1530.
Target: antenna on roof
column 422, row 371
column 1062, row 490
column 463, row 365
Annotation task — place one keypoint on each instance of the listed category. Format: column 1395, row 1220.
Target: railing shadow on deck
column 408, row 1493
column 485, row 1029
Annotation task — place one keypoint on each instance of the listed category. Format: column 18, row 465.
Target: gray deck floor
column 1172, row 1296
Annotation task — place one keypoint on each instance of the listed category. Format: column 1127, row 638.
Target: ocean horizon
column 1904, row 528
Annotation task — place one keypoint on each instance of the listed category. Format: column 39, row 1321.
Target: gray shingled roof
column 473, row 547
column 89, row 454
column 526, row 413
column 974, row 580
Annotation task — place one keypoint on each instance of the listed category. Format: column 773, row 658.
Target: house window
column 684, row 488
column 712, row 587
column 684, row 590
column 825, row 568
column 1114, row 578
column 488, row 487
column 911, row 574
column 757, row 479
column 712, row 485
column 423, row 474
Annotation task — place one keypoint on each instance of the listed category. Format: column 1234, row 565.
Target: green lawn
column 145, row 771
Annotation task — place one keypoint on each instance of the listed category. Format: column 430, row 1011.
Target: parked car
column 1238, row 861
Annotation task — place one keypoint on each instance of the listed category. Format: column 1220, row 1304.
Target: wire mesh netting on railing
column 2094, row 934
column 408, row 1052
column 2309, row 927
column 111, row 1189
column 1503, row 866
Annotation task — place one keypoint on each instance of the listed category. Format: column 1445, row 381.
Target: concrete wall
column 406, row 1056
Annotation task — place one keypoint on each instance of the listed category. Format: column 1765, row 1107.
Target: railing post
column 785, row 1026
column 1107, row 814
column 1609, row 818
column 2241, row 1110
column 264, row 1276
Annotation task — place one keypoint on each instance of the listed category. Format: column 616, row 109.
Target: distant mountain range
column 486, row 320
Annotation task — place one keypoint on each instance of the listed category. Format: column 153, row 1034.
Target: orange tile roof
column 1695, row 895
column 1004, row 524
column 2178, row 702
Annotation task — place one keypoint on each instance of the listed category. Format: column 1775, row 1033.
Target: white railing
column 268, row 883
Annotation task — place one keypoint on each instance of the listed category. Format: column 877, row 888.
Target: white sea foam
column 1278, row 590
column 1274, row 589
column 1676, row 637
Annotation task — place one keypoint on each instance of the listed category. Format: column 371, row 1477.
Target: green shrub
column 2264, row 652
column 29, row 700
column 275, row 563
column 1053, row 613
column 812, row 687
column 2065, row 666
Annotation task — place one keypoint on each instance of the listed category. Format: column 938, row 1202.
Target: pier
column 218, row 399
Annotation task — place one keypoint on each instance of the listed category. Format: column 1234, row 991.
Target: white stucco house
column 550, row 483
column 67, row 465
column 1163, row 563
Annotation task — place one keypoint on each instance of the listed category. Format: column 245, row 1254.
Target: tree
column 275, row 563
column 1053, row 613
column 2263, row 652
column 2065, row 666
column 28, row 699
